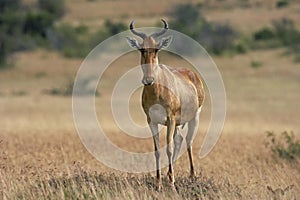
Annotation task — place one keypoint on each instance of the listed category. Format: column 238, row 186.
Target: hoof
column 173, row 188
column 158, row 187
column 192, row 176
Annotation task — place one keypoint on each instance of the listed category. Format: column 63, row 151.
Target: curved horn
column 142, row 35
column 163, row 31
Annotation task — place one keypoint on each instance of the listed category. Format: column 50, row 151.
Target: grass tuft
column 285, row 145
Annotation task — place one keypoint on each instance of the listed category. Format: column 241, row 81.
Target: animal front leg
column 155, row 135
column 170, row 133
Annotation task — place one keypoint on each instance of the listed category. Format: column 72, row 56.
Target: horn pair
column 154, row 35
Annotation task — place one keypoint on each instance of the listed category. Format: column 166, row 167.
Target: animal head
column 149, row 48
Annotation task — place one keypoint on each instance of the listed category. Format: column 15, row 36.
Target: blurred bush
column 114, row 28
column 187, row 19
column 11, row 21
column 215, row 37
column 282, row 3
column 78, row 41
column 24, row 29
column 255, row 64
column 289, row 36
column 55, row 8
column 86, row 87
column 69, row 40
column 285, row 145
column 36, row 24
column 283, row 32
column 264, row 34
column 286, row 31
column 219, row 38
column 9, row 5
column 241, row 46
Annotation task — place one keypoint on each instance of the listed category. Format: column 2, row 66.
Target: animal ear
column 133, row 43
column 165, row 41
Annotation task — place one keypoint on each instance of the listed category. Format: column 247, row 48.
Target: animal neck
column 156, row 61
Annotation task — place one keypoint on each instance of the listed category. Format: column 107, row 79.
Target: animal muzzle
column 148, row 80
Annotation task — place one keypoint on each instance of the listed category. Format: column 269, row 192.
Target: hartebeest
column 171, row 97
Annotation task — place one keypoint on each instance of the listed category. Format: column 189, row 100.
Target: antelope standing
column 171, row 97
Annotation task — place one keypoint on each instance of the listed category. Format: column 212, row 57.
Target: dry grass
column 41, row 156
column 57, row 166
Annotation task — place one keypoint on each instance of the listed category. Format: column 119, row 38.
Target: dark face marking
column 148, row 50
column 149, row 64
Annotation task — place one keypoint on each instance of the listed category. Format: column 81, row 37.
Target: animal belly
column 158, row 114
column 188, row 109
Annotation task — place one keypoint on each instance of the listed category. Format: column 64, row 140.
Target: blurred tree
column 9, row 5
column 187, row 19
column 3, row 51
column 10, row 23
column 36, row 24
column 217, row 37
column 25, row 29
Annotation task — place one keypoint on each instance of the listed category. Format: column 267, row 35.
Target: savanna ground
column 42, row 157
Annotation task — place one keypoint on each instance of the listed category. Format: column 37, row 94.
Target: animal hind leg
column 192, row 129
column 177, row 143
